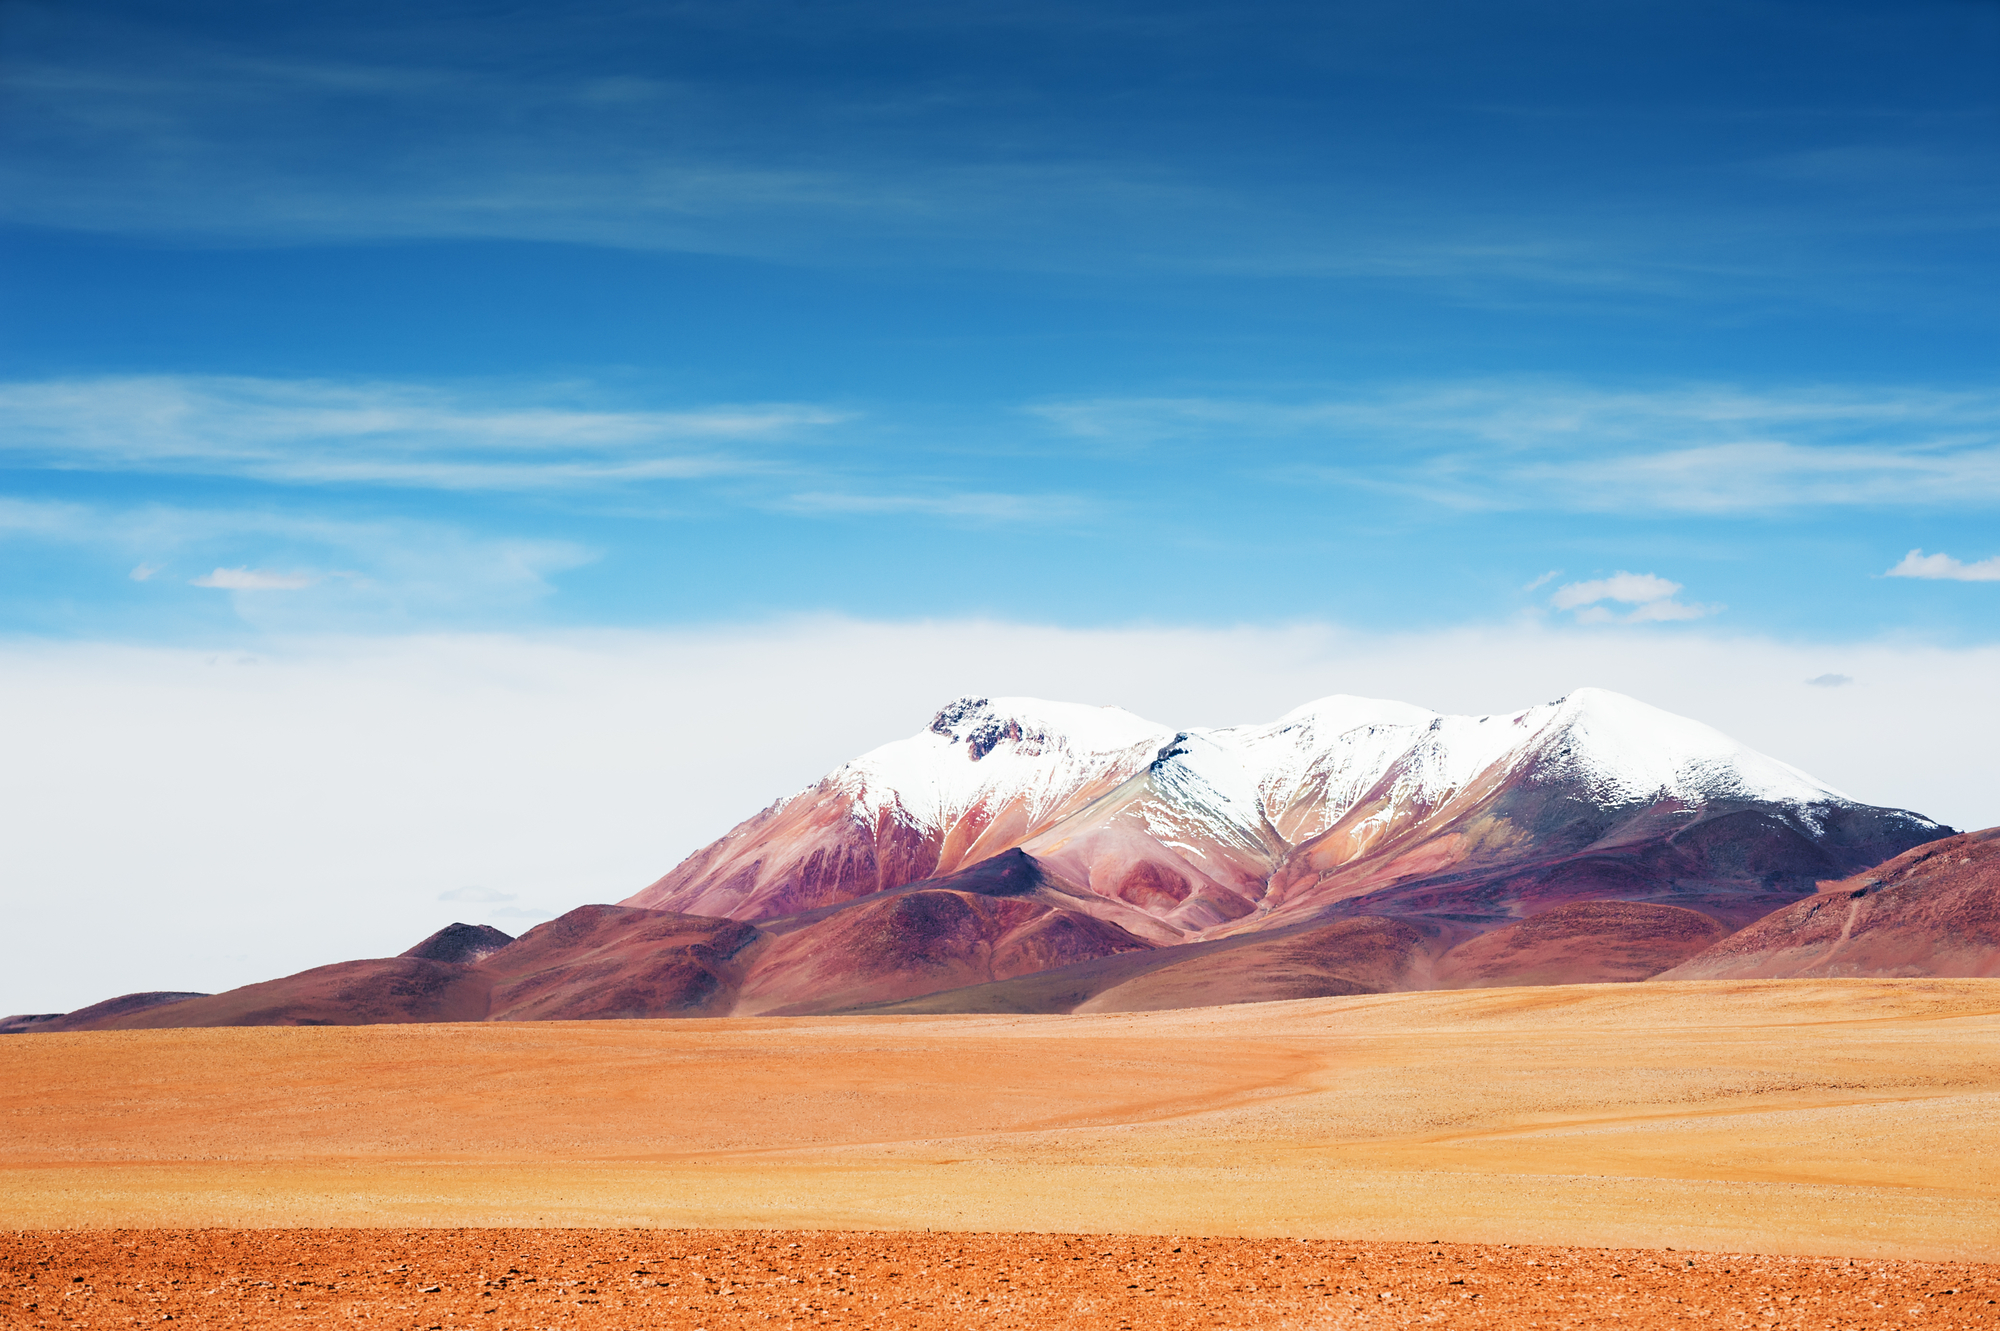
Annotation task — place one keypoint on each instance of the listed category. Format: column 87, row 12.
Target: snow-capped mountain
column 1024, row 856
column 1186, row 834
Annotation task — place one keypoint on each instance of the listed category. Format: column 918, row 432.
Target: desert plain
column 1811, row 1122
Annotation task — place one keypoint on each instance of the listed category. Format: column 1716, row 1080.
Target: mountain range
column 1020, row 855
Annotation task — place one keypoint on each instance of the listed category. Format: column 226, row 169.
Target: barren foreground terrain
column 1843, row 1118
column 508, row 1279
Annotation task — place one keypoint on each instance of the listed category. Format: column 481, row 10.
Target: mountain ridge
column 1238, row 827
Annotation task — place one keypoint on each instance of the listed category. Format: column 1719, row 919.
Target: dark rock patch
column 462, row 943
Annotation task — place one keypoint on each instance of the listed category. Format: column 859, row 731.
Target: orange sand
column 1849, row 1118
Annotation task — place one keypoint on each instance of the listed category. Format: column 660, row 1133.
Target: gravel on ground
column 709, row 1280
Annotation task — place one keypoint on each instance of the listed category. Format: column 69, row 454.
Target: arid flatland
column 1838, row 1118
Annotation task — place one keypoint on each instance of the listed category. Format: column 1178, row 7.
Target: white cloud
column 252, row 580
column 347, row 777
column 1664, row 611
column 1651, row 596
column 1631, row 588
column 310, row 432
column 144, row 572
column 1542, row 581
column 1917, row 564
column 477, row 894
column 1830, row 681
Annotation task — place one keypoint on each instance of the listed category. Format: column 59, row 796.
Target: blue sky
column 389, row 318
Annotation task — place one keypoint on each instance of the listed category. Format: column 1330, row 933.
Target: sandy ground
column 507, row 1279
column 1841, row 1118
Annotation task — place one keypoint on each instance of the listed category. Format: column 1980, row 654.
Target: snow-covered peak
column 991, row 751
column 1624, row 750
column 1342, row 712
column 1031, row 724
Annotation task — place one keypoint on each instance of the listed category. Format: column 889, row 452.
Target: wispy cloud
column 971, row 149
column 51, row 519
column 252, row 580
column 1830, row 681
column 1651, row 597
column 972, row 506
column 1917, row 564
column 374, row 434
column 340, row 571
column 1514, row 445
column 143, row 131
column 1731, row 478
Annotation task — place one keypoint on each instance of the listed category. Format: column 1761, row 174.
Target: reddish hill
column 615, row 961
column 349, row 993
column 1583, row 942
column 85, row 1018
column 1594, row 942
column 1934, row 910
column 993, row 922
column 1355, row 956
column 596, row 961
column 919, row 942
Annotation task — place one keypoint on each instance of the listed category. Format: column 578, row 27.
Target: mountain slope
column 1934, row 910
column 982, row 778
